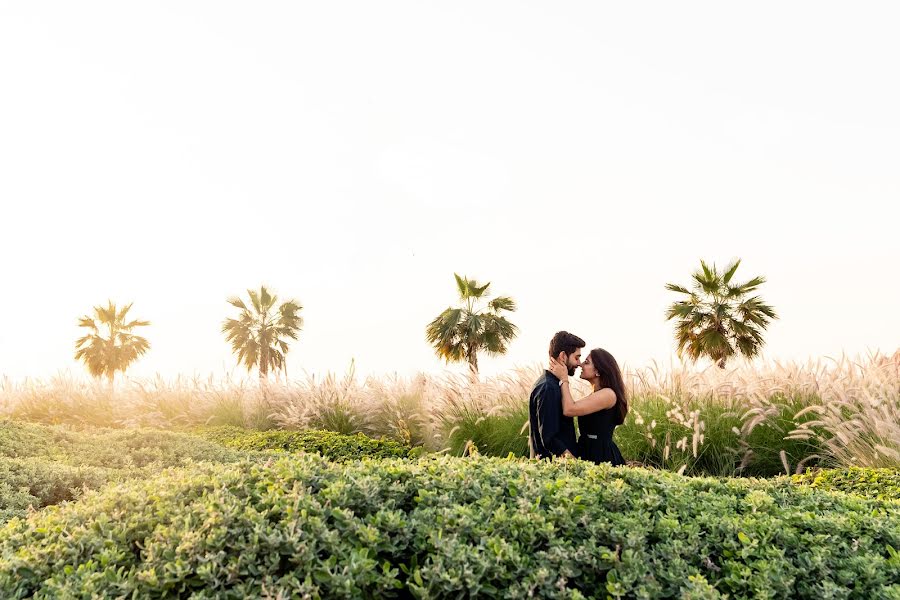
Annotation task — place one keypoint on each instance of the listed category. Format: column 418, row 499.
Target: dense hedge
column 42, row 465
column 34, row 483
column 331, row 445
column 301, row 526
column 881, row 484
column 109, row 448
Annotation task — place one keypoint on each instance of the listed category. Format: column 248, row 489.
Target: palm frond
column 502, row 303
column 743, row 289
column 120, row 316
column 729, row 271
column 266, row 299
column 477, row 291
column 135, row 323
column 88, row 322
column 254, row 301
column 237, row 302
column 677, row 288
column 106, row 315
column 707, row 282
column 679, row 310
column 462, row 285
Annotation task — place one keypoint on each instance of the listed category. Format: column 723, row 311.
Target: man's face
column 573, row 361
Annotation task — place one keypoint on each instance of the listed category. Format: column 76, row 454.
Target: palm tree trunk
column 263, row 357
column 472, row 357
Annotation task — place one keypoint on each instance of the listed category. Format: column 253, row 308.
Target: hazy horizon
column 354, row 156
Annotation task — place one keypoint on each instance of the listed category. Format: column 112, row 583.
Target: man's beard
column 572, row 371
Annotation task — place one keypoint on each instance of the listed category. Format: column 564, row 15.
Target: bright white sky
column 578, row 155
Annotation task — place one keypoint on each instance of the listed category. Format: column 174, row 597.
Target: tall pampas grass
column 761, row 419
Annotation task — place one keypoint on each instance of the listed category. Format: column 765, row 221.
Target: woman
column 599, row 412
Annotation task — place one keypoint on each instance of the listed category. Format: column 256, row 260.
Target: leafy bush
column 301, row 526
column 44, row 465
column 34, row 483
column 108, row 448
column 881, row 484
column 331, row 445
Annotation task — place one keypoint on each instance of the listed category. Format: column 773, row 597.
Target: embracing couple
column 551, row 408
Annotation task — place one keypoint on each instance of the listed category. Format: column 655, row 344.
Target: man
column 552, row 434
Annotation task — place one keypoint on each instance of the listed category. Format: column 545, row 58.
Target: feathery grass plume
column 713, row 421
column 493, row 413
column 399, row 409
column 331, row 404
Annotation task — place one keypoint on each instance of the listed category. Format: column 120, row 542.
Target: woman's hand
column 559, row 369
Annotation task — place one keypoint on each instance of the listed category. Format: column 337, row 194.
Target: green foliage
column 443, row 527
column 108, row 448
column 41, row 466
column 35, row 483
column 331, row 445
column 881, row 484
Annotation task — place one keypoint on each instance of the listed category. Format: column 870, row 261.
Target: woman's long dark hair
column 611, row 377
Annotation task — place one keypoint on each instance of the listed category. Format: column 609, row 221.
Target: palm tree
column 458, row 334
column 259, row 335
column 717, row 319
column 116, row 351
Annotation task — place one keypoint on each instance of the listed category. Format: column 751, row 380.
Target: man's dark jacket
column 552, row 433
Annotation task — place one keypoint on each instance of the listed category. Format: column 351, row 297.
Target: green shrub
column 331, row 445
column 881, row 484
column 108, row 448
column 302, row 526
column 44, row 465
column 34, row 483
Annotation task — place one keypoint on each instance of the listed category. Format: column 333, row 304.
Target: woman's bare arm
column 594, row 402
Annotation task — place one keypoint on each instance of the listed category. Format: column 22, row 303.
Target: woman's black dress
column 595, row 441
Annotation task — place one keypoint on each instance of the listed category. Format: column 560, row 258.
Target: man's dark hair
column 566, row 342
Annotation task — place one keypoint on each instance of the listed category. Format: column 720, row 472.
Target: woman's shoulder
column 604, row 393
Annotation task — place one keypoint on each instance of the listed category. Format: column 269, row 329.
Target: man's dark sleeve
column 548, row 416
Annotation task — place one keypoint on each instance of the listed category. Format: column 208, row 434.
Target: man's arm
column 548, row 422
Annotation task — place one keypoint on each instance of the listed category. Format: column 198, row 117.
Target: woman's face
column 587, row 369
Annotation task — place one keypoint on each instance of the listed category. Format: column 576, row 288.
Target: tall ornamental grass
column 756, row 420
